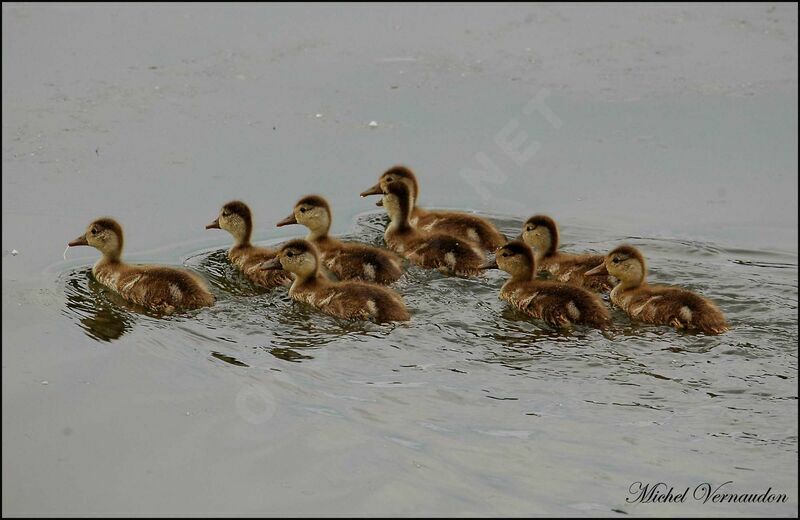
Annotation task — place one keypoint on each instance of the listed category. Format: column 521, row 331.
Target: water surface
column 675, row 130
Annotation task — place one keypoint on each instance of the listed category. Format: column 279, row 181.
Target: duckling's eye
column 530, row 228
column 94, row 230
column 302, row 210
column 289, row 254
column 615, row 260
column 226, row 213
column 505, row 254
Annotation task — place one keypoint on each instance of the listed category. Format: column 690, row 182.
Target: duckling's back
column 382, row 303
column 558, row 304
column 353, row 300
column 249, row 259
column 447, row 253
column 164, row 289
column 350, row 261
column 570, row 268
column 675, row 306
column 462, row 225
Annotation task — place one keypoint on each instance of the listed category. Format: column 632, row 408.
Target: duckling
column 558, row 304
column 162, row 289
column 541, row 233
column 656, row 304
column 236, row 219
column 352, row 300
column 462, row 225
column 448, row 254
column 348, row 261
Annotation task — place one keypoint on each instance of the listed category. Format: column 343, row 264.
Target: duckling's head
column 541, row 233
column 235, row 218
column 296, row 256
column 626, row 263
column 395, row 174
column 313, row 212
column 105, row 235
column 397, row 201
column 516, row 258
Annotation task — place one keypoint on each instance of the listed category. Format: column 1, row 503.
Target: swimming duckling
column 448, row 254
column 162, row 289
column 463, row 225
column 558, row 304
column 348, row 261
column 657, row 304
column 349, row 300
column 236, row 219
column 541, row 233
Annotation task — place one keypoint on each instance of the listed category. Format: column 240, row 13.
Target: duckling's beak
column 271, row 265
column 288, row 220
column 213, row 225
column 375, row 190
column 80, row 241
column 600, row 269
column 491, row 264
column 379, row 203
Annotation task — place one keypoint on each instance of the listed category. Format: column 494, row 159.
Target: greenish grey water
column 683, row 147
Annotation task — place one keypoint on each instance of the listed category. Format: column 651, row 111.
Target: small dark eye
column 226, row 213
column 615, row 260
column 94, row 230
column 505, row 254
column 289, row 254
column 302, row 210
column 530, row 228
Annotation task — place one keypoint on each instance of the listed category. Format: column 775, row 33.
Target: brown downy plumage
column 349, row 300
column 162, row 289
column 461, row 225
column 448, row 254
column 558, row 304
column 541, row 233
column 347, row 260
column 657, row 304
column 236, row 219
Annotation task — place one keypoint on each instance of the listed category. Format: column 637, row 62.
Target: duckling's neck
column 398, row 224
column 400, row 216
column 318, row 233
column 312, row 277
column 108, row 260
column 523, row 275
column 632, row 283
column 111, row 257
column 242, row 238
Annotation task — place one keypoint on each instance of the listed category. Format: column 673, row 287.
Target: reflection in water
column 229, row 359
column 100, row 312
column 222, row 275
column 288, row 354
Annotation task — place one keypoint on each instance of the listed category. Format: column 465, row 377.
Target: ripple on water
column 463, row 339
